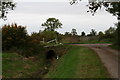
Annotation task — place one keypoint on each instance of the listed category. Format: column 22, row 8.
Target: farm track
column 108, row 56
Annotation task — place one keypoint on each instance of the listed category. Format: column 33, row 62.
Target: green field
column 79, row 62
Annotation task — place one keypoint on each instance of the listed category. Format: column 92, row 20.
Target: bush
column 13, row 36
column 16, row 39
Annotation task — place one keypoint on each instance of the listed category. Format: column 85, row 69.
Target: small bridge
column 51, row 52
column 51, row 43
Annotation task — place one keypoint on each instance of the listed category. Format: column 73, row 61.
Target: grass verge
column 79, row 62
column 16, row 66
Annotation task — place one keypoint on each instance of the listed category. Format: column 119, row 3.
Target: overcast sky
column 32, row 14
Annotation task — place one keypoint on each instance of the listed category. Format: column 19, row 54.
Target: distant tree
column 83, row 34
column 111, row 6
column 111, row 30
column 109, row 34
column 100, row 33
column 5, row 6
column 93, row 32
column 67, row 34
column 89, row 34
column 74, row 32
column 51, row 24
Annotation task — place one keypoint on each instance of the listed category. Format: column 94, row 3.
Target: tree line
column 113, row 7
column 16, row 39
column 23, row 42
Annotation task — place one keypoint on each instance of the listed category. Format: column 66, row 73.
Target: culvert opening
column 51, row 55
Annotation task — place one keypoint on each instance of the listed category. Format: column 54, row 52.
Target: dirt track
column 108, row 56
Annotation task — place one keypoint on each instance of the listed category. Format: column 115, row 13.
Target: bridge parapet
column 52, row 43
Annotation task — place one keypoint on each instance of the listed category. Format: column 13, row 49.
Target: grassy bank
column 79, row 62
column 16, row 66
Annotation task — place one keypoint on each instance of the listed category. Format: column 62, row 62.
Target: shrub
column 16, row 39
column 13, row 36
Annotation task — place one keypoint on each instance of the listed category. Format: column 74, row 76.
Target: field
column 79, row 62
